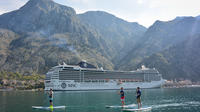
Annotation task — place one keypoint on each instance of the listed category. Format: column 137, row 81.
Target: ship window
column 69, row 67
column 47, row 81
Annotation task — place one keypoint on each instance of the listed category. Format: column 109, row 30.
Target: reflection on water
column 49, row 110
column 161, row 100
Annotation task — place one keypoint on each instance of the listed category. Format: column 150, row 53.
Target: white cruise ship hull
column 86, row 77
column 71, row 86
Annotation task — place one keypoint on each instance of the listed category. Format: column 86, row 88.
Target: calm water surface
column 161, row 100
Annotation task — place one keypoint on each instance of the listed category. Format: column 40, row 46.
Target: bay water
column 160, row 99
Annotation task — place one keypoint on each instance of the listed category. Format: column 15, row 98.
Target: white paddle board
column 120, row 106
column 47, row 108
column 142, row 109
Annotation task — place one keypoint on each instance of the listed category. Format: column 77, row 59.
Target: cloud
column 2, row 11
column 140, row 1
column 81, row 1
column 10, row 5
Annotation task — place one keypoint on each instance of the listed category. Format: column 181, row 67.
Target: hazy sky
column 145, row 12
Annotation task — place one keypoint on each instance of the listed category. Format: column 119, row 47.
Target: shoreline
column 41, row 89
column 182, row 86
column 12, row 89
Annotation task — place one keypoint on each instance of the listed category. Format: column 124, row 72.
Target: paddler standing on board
column 138, row 95
column 51, row 98
column 122, row 96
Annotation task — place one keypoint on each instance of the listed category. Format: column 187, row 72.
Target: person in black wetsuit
column 138, row 95
column 122, row 96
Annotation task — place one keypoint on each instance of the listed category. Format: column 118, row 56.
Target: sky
column 145, row 12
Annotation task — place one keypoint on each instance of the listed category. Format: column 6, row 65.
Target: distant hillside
column 6, row 38
column 121, row 35
column 160, row 36
column 180, row 61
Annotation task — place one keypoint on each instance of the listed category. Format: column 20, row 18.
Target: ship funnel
column 64, row 63
column 144, row 68
column 84, row 61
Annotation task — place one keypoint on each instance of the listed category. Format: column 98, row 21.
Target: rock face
column 6, row 37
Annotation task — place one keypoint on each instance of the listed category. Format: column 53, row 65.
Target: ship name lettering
column 71, row 85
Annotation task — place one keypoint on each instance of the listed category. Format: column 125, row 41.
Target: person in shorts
column 122, row 96
column 138, row 95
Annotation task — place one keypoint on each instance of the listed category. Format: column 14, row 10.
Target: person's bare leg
column 122, row 103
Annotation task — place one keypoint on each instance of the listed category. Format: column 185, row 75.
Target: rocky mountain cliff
column 42, row 34
column 118, row 33
column 180, row 61
column 160, row 36
column 41, row 16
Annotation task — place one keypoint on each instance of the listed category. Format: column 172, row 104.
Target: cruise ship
column 85, row 76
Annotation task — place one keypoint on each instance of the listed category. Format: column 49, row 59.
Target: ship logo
column 63, row 85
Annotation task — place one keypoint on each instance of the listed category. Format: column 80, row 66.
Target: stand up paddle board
column 120, row 106
column 142, row 109
column 48, row 108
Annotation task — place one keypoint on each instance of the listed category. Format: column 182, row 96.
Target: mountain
column 41, row 16
column 118, row 33
column 42, row 34
column 160, row 36
column 180, row 61
column 6, row 37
